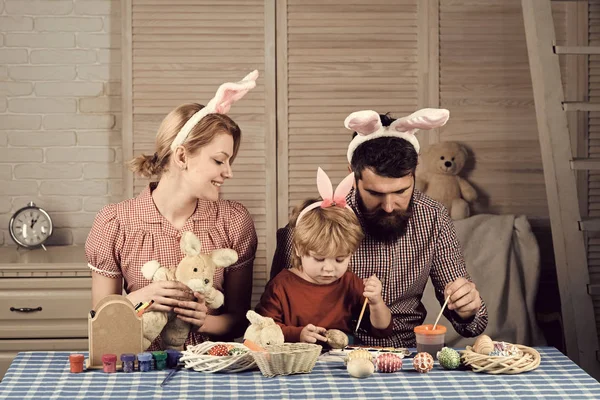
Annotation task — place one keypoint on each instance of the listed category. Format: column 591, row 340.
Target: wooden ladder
column 579, row 324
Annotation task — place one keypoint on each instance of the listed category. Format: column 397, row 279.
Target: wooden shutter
column 593, row 125
column 486, row 84
column 336, row 57
column 181, row 51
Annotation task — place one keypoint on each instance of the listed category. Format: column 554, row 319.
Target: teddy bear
column 262, row 330
column 196, row 270
column 437, row 177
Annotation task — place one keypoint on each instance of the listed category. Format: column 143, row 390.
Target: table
column 45, row 375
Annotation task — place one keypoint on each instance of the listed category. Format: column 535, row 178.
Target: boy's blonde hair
column 201, row 134
column 328, row 232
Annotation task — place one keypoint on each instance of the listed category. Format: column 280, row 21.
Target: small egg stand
column 114, row 329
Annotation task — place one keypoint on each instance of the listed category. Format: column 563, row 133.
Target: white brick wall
column 60, row 87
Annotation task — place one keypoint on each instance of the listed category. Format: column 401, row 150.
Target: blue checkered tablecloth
column 45, row 375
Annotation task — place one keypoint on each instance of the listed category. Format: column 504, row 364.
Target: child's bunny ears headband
column 330, row 198
column 227, row 94
column 368, row 126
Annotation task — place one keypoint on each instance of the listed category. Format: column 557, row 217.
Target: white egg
column 360, row 368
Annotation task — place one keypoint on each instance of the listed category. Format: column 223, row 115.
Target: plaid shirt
column 126, row 235
column 429, row 248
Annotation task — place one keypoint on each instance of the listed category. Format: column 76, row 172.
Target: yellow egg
column 483, row 345
column 360, row 353
column 336, row 338
column 360, row 368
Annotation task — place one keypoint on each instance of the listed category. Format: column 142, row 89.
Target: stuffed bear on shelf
column 196, row 271
column 437, row 177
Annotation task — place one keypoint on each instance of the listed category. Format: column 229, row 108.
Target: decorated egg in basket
column 388, row 362
column 219, row 350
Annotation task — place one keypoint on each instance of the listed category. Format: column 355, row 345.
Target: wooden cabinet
column 45, row 297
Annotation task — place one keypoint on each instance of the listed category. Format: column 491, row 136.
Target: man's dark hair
column 391, row 157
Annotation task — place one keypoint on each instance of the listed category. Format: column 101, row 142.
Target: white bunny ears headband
column 330, row 198
column 227, row 94
column 368, row 126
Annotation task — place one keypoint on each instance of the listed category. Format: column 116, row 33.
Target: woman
column 195, row 147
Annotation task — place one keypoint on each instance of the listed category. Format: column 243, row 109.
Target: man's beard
column 384, row 226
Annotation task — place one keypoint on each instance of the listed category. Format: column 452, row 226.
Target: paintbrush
column 170, row 375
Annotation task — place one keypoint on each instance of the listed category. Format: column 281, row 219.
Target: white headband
column 227, row 94
column 368, row 126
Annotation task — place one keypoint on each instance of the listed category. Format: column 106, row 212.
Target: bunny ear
column 343, row 188
column 363, row 122
column 228, row 93
column 324, row 185
column 426, row 118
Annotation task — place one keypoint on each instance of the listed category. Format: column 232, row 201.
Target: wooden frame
column 282, row 114
column 127, row 95
column 579, row 323
column 428, row 14
column 271, row 129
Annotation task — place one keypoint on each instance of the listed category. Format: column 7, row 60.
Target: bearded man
column 409, row 237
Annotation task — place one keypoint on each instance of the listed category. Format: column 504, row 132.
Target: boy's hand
column 372, row 291
column 311, row 333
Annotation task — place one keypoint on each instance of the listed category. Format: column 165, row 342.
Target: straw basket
column 528, row 359
column 196, row 358
column 287, row 358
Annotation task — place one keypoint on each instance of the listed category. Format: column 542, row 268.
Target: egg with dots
column 218, row 350
column 423, row 362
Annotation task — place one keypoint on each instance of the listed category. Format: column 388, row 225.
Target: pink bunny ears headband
column 227, row 94
column 368, row 126
column 330, row 198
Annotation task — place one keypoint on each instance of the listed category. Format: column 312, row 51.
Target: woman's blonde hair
column 200, row 135
column 328, row 232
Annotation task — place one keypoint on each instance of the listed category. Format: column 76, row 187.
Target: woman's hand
column 166, row 295
column 372, row 291
column 311, row 333
column 192, row 312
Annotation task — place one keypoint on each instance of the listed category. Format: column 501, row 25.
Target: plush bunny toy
column 196, row 271
column 263, row 330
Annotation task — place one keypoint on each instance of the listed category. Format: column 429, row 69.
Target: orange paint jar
column 76, row 362
column 429, row 340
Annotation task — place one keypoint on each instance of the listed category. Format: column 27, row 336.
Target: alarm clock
column 30, row 226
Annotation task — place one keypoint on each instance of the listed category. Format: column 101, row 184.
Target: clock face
column 30, row 227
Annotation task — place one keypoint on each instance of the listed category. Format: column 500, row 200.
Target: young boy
column 318, row 292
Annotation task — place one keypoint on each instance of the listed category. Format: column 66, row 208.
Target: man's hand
column 464, row 298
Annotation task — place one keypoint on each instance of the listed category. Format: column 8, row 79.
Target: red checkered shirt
column 428, row 249
column 126, row 235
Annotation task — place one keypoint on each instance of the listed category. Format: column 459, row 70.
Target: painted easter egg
column 483, row 345
column 388, row 362
column 423, row 362
column 448, row 358
column 364, row 354
column 218, row 350
column 336, row 338
column 360, row 368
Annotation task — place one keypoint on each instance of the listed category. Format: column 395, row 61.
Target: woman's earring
column 184, row 167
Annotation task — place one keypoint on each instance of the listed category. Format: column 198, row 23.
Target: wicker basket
column 287, row 358
column 528, row 359
column 196, row 358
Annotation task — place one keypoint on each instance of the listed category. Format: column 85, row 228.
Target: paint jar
column 173, row 357
column 128, row 361
column 429, row 340
column 160, row 359
column 145, row 361
column 109, row 362
column 76, row 363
